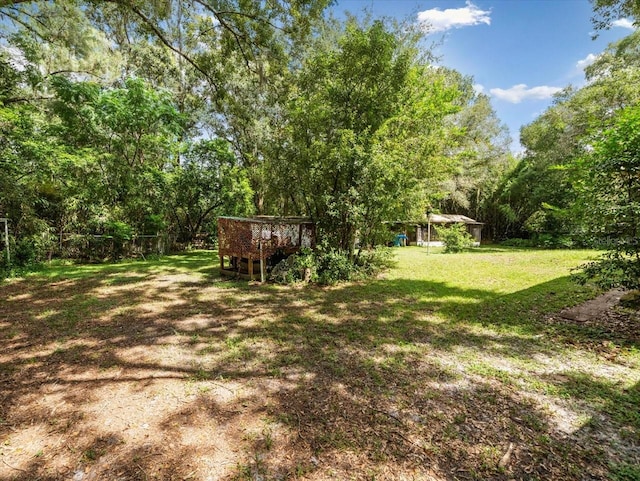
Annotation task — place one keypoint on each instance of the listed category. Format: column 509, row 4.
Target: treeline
column 551, row 189
column 124, row 119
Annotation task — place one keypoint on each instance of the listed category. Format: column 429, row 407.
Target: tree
column 607, row 11
column 208, row 183
column 612, row 188
column 130, row 138
column 479, row 154
column 182, row 27
column 539, row 195
column 364, row 133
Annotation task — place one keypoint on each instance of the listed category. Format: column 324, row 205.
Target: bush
column 518, row 242
column 120, row 233
column 32, row 250
column 612, row 269
column 334, row 266
column 295, row 268
column 455, row 238
column 545, row 241
column 328, row 266
column 551, row 241
column 372, row 261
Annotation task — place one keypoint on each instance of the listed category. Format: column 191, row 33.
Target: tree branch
column 25, row 99
column 7, row 3
column 237, row 36
column 75, row 71
column 158, row 33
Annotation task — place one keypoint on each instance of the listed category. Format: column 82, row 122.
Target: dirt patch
column 593, row 309
column 605, row 314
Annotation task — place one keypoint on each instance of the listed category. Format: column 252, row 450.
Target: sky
column 519, row 52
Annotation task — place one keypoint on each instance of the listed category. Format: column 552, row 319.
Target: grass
column 164, row 369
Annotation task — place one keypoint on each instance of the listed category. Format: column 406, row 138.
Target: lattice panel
column 242, row 237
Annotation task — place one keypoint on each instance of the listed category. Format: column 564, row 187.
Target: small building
column 435, row 221
column 251, row 246
column 417, row 231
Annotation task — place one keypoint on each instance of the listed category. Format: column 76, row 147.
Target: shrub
column 551, row 241
column 328, row 266
column 120, row 233
column 518, row 242
column 612, row 269
column 545, row 241
column 455, row 238
column 372, row 261
column 33, row 249
column 334, row 266
column 295, row 268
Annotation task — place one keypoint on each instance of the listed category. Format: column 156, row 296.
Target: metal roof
column 452, row 219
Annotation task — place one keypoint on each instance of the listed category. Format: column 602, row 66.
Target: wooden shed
column 251, row 246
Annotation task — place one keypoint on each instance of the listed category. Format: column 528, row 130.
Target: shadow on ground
column 164, row 370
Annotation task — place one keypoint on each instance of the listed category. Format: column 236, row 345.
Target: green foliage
column 479, row 153
column 607, row 11
column 329, row 266
column 546, row 241
column 297, row 267
column 373, row 261
column 208, row 183
column 551, row 241
column 625, row 472
column 455, row 238
column 613, row 190
column 30, row 250
column 546, row 193
column 365, row 133
column 118, row 231
column 334, row 265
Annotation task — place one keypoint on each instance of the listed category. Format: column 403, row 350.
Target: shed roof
column 453, row 219
column 268, row 219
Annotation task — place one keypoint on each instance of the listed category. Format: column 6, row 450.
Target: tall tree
column 132, row 134
column 365, row 133
column 538, row 196
column 480, row 154
column 612, row 187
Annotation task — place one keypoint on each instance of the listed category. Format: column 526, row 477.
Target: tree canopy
column 153, row 118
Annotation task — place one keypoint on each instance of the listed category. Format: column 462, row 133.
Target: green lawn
column 447, row 367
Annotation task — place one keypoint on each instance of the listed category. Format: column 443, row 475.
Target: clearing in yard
column 448, row 367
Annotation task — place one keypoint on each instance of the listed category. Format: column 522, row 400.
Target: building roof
column 439, row 219
column 268, row 219
column 452, row 219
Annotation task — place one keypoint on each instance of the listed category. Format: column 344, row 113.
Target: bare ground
column 167, row 374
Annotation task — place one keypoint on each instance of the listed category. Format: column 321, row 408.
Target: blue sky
column 519, row 51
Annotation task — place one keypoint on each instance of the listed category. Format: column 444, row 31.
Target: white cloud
column 478, row 89
column 585, row 62
column 520, row 92
column 436, row 20
column 623, row 23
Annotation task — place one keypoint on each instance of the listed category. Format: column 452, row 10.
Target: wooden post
column 250, row 266
column 221, row 263
column 428, row 234
column 261, row 264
